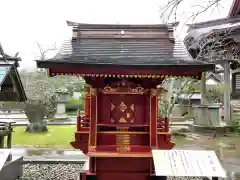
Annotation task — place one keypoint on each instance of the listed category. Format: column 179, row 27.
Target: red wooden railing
column 162, row 124
column 83, row 123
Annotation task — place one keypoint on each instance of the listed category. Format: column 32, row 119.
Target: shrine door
column 123, row 109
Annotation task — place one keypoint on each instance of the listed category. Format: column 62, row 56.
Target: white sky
column 23, row 22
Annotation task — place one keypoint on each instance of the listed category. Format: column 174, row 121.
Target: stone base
column 177, row 119
column 12, row 170
column 61, row 116
column 208, row 129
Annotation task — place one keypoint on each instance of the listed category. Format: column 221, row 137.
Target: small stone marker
column 4, row 154
column 187, row 163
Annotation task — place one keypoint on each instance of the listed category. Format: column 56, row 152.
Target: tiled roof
column 200, row 33
column 235, row 8
column 10, row 60
column 150, row 46
column 11, row 85
column 219, row 77
column 11, row 88
column 125, row 52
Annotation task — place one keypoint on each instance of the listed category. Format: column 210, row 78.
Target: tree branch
column 44, row 52
column 173, row 5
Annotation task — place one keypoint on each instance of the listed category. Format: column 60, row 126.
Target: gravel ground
column 68, row 172
column 50, row 171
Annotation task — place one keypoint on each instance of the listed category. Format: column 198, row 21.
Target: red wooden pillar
column 93, row 120
column 87, row 100
column 153, row 118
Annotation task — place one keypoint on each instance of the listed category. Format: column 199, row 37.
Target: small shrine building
column 122, row 66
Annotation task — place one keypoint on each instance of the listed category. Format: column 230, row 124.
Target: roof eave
column 192, row 67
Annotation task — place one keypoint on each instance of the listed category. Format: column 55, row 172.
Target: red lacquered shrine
column 122, row 66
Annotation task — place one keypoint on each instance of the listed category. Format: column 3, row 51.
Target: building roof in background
column 218, row 77
column 201, row 35
column 235, row 9
column 11, row 88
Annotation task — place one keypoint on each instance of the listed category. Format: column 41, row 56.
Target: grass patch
column 56, row 137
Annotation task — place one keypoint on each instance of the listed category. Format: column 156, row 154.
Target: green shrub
column 74, row 104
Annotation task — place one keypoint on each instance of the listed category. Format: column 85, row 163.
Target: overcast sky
column 23, row 22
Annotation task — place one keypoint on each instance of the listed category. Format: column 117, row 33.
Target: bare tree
column 172, row 7
column 43, row 52
column 167, row 106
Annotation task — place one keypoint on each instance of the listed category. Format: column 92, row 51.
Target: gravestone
column 61, row 106
column 187, row 163
column 177, row 112
column 60, row 110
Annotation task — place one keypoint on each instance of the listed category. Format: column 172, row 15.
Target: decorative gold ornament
column 123, row 148
column 92, row 148
column 154, row 92
column 154, row 76
column 122, row 120
column 122, row 106
column 93, row 91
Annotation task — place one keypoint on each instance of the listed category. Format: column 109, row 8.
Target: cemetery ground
column 56, row 137
column 56, row 141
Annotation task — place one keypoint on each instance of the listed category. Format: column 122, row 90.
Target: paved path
column 21, row 121
column 38, row 155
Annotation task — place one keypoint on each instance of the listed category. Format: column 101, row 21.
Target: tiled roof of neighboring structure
column 11, row 88
column 235, row 9
column 198, row 34
column 218, row 77
column 3, row 73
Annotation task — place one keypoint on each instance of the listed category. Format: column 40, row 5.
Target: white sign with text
column 187, row 163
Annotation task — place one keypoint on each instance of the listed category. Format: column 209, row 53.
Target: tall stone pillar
column 227, row 91
column 203, row 89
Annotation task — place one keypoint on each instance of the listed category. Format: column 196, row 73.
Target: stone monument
column 61, row 104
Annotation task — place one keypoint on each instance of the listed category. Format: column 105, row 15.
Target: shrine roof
column 120, row 26
column 143, row 46
column 130, row 52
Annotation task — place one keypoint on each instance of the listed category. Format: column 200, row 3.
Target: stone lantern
column 61, row 104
